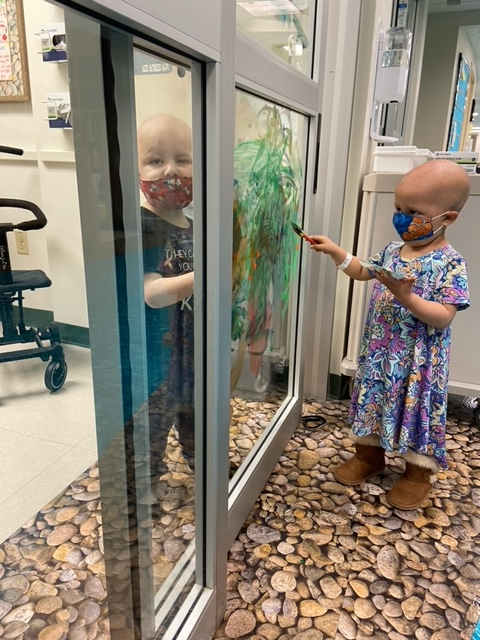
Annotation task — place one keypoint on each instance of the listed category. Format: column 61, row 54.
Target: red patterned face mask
column 167, row 193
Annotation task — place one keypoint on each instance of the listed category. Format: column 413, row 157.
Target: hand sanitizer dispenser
column 392, row 70
column 392, row 63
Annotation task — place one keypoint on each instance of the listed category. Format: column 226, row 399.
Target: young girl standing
column 399, row 399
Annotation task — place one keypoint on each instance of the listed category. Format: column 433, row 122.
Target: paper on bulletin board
column 6, row 71
column 59, row 111
column 6, row 68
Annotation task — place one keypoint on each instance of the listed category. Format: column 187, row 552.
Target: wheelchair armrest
column 40, row 219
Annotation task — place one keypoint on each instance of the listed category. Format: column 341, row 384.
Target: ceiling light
column 262, row 8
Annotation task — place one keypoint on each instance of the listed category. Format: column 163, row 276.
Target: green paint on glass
column 267, row 190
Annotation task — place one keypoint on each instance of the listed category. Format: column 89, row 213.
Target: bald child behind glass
column 165, row 179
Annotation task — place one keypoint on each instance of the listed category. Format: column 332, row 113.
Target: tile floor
column 47, row 441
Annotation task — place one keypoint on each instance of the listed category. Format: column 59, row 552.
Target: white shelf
column 40, row 156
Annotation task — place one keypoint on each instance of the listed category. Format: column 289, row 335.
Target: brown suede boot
column 367, row 462
column 412, row 488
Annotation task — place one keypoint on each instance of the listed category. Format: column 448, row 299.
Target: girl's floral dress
column 400, row 391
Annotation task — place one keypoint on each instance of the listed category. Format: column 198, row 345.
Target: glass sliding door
column 138, row 159
column 275, row 147
column 269, row 174
column 143, row 119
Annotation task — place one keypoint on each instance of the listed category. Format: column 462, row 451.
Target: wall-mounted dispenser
column 393, row 60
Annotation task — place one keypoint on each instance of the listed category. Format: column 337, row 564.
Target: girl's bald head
column 442, row 182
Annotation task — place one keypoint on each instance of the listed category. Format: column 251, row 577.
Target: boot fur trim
column 369, row 441
column 426, row 462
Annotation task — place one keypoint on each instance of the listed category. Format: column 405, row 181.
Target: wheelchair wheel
column 55, row 374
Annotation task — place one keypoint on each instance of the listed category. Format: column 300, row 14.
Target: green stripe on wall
column 70, row 333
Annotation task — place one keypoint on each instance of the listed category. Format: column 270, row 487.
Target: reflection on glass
column 164, row 145
column 285, row 27
column 268, row 180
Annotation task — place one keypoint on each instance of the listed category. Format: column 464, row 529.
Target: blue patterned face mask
column 411, row 228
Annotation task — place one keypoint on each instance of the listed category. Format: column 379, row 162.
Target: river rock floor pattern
column 314, row 560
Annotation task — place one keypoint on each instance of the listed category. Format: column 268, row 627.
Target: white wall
column 360, row 155
column 349, row 77
column 164, row 94
column 46, row 177
column 439, row 71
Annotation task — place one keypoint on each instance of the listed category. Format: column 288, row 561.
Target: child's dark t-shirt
column 168, row 251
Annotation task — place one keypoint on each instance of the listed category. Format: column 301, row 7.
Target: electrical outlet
column 22, row 242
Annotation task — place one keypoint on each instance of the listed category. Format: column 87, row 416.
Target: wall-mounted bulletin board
column 14, row 80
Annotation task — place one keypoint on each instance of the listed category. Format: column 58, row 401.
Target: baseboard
column 338, row 387
column 70, row 333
